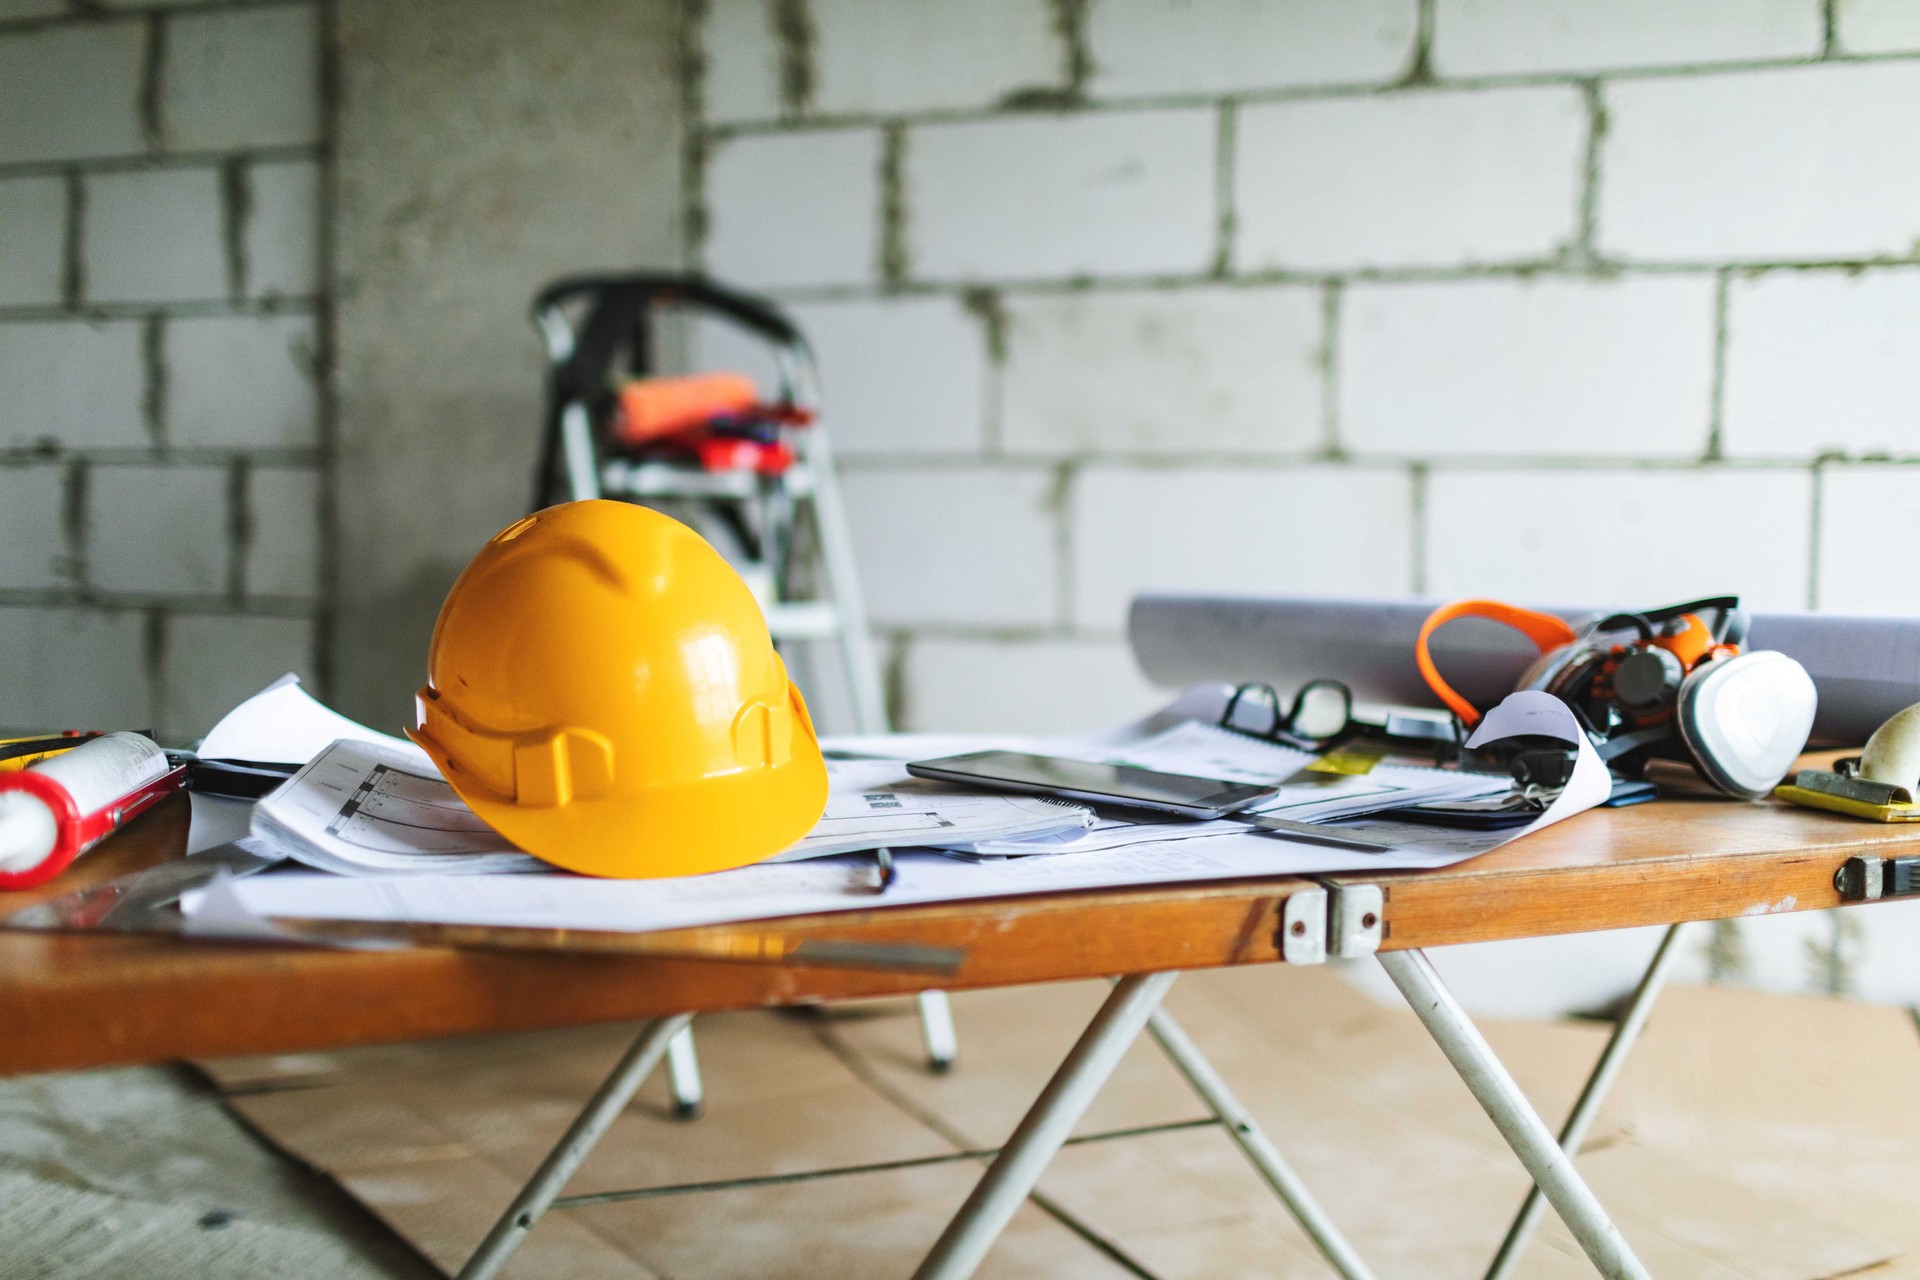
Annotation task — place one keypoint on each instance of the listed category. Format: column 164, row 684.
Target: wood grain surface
column 80, row 1000
column 72, row 1000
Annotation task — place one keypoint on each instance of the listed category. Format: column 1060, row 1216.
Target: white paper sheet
column 1203, row 748
column 362, row 807
column 878, row 804
column 284, row 724
column 846, row 884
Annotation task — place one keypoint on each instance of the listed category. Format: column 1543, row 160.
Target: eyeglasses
column 1321, row 713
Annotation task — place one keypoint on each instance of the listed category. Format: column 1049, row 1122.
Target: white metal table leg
column 683, row 1073
column 936, row 1027
column 1625, row 1033
column 1551, row 1168
column 1266, row 1158
column 608, row 1101
column 1011, row 1177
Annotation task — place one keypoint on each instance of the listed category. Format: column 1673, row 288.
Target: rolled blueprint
column 1865, row 669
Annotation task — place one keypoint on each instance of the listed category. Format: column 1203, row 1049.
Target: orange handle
column 1545, row 630
column 655, row 407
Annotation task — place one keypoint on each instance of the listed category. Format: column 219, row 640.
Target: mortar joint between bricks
column 1225, row 144
column 240, row 525
column 1420, row 64
column 1717, row 378
column 894, row 213
column 152, row 82
column 153, row 358
column 73, row 271
column 73, row 518
column 794, row 35
column 692, row 71
column 236, row 212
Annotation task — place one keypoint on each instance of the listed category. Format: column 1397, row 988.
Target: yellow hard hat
column 601, row 689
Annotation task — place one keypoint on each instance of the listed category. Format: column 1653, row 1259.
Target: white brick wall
column 72, row 383
column 282, row 239
column 31, row 8
column 1292, row 295
column 1022, row 686
column 883, row 56
column 155, row 531
column 72, row 92
column 741, row 73
column 215, row 660
column 1116, row 193
column 1152, row 47
column 794, row 209
column 154, row 236
column 33, row 216
column 1634, row 536
column 282, row 555
column 1519, row 37
column 243, row 78
column 1803, row 164
column 1311, row 531
column 1545, row 367
column 1868, row 515
column 1823, row 362
column 919, row 533
column 160, row 422
column 33, row 531
column 1878, row 26
column 242, row 381
column 1326, row 184
column 1213, row 370
column 73, row 669
column 905, row 375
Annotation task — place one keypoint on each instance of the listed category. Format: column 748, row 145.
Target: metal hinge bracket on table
column 1303, row 927
column 1356, row 920
column 1868, row 879
column 1334, row 920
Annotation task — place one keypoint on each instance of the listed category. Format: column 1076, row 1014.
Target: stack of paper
column 839, row 884
column 364, row 808
column 1203, row 749
column 877, row 804
column 377, row 811
column 361, row 808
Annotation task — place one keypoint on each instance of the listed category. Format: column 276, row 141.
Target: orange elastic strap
column 1545, row 630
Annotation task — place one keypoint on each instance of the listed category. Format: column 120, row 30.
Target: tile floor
column 1752, row 1138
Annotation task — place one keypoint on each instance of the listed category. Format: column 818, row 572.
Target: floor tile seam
column 858, row 1066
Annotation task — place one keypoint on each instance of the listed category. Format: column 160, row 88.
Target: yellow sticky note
column 1352, row 761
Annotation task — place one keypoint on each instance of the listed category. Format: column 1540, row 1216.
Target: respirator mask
column 1660, row 684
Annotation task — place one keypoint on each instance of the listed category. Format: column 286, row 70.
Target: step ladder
column 782, row 525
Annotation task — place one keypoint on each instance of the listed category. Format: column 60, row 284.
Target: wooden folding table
column 86, row 999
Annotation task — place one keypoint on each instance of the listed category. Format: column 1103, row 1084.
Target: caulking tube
column 59, row 808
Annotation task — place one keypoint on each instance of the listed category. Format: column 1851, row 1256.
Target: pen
column 888, row 873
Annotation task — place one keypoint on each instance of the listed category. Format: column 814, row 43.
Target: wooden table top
column 74, row 1000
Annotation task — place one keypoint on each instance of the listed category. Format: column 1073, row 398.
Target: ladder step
column 803, row 620
column 621, row 478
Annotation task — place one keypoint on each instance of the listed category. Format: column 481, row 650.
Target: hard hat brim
column 710, row 825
